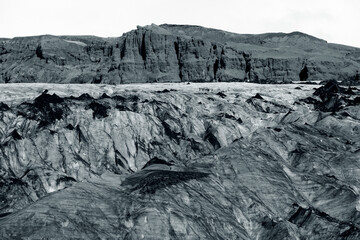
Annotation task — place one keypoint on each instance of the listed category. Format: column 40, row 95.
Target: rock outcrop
column 333, row 97
column 175, row 53
column 221, row 161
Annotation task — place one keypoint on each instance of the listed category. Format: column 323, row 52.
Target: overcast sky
column 336, row 21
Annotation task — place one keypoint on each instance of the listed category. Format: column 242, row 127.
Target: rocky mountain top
column 179, row 161
column 175, row 53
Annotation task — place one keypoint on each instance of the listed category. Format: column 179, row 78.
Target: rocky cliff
column 174, row 53
column 179, row 161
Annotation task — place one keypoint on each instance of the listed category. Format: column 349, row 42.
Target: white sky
column 336, row 21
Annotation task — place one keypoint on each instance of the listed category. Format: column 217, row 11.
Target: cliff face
column 174, row 53
column 221, row 161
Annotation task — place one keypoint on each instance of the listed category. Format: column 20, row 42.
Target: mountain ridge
column 177, row 26
column 244, row 35
column 175, row 53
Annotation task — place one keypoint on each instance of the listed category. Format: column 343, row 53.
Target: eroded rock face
column 221, row 161
column 333, row 97
column 175, row 53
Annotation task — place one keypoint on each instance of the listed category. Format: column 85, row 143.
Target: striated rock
column 143, row 162
column 156, row 160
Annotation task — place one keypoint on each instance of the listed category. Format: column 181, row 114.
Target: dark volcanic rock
column 211, row 137
column 70, row 126
column 262, row 105
column 4, row 106
column 45, row 108
column 333, row 97
column 304, row 218
column 356, row 101
column 16, row 135
column 156, row 160
column 328, row 90
column 122, row 108
column 99, row 110
column 150, row 181
column 310, row 100
column 104, row 95
column 258, row 96
column 164, row 91
column 84, row 96
column 44, row 99
column 349, row 91
column 221, row 94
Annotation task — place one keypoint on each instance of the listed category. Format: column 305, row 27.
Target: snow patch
column 77, row 42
